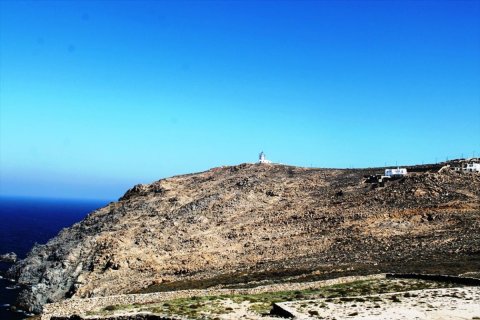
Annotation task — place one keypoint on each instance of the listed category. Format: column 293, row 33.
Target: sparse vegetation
column 211, row 306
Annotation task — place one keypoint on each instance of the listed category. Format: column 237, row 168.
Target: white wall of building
column 395, row 172
column 472, row 167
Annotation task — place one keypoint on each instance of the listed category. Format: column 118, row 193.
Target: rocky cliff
column 265, row 220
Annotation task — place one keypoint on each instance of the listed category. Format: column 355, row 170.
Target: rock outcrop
column 258, row 220
column 10, row 257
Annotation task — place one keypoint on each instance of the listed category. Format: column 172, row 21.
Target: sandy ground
column 239, row 311
column 434, row 304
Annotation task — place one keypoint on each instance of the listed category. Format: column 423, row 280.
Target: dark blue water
column 26, row 221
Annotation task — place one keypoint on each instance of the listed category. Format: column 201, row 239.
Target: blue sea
column 26, row 221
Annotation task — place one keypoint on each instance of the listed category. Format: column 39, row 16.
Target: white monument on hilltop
column 262, row 158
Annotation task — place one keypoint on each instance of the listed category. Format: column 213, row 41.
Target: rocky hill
column 254, row 222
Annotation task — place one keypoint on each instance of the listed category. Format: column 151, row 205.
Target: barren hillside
column 251, row 222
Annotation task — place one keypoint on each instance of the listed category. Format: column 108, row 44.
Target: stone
column 10, row 257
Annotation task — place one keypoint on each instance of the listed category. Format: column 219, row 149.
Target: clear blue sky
column 99, row 95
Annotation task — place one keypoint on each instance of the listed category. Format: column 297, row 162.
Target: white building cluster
column 472, row 167
column 394, row 173
column 469, row 167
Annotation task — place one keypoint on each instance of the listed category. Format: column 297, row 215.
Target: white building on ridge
column 399, row 172
column 262, row 158
column 472, row 167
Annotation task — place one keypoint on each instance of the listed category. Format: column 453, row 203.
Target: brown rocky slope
column 265, row 220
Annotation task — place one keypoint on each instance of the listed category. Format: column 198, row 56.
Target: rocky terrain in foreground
column 255, row 222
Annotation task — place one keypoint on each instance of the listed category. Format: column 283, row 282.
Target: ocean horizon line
column 53, row 198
